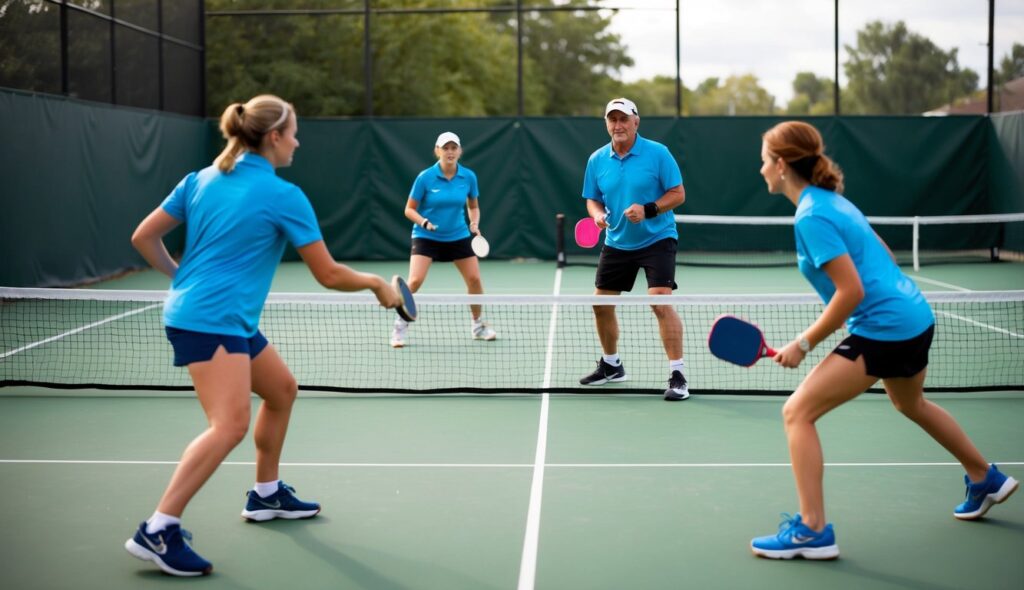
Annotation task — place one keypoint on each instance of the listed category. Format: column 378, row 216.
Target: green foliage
column 1011, row 66
column 811, row 95
column 432, row 65
column 893, row 70
column 656, row 96
column 738, row 95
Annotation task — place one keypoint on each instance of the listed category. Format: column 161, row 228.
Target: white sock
column 159, row 521
column 612, row 359
column 400, row 323
column 266, row 488
column 679, row 365
column 478, row 321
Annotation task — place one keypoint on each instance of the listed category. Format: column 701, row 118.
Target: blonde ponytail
column 244, row 125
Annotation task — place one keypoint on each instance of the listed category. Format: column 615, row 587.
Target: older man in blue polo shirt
column 631, row 186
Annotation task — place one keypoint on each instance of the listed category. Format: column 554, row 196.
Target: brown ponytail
column 244, row 125
column 801, row 147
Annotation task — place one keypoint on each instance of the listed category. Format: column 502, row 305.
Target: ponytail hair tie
column 805, row 166
column 240, row 110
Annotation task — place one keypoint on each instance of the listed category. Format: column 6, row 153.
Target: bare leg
column 418, row 268
column 907, row 396
column 669, row 325
column 607, row 324
column 223, row 388
column 273, row 382
column 469, row 268
column 833, row 382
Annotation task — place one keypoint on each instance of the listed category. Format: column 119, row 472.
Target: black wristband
column 651, row 210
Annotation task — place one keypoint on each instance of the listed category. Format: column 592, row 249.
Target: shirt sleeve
column 419, row 188
column 175, row 203
column 297, row 219
column 821, row 237
column 591, row 190
column 668, row 171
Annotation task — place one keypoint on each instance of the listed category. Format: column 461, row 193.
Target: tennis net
column 340, row 342
column 725, row 240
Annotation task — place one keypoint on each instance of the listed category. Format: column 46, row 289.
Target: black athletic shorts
column 885, row 359
column 617, row 269
column 443, row 251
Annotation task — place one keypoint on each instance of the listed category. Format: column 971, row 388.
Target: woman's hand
column 790, row 356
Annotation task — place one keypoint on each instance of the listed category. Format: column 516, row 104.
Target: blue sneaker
column 280, row 504
column 168, row 550
column 994, row 489
column 605, row 373
column 795, row 539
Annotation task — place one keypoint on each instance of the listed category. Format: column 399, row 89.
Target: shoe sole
column 816, row 553
column 612, row 380
column 144, row 554
column 1005, row 491
column 397, row 344
column 673, row 396
column 265, row 515
column 491, row 339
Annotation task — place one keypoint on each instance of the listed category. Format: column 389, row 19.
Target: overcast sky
column 775, row 39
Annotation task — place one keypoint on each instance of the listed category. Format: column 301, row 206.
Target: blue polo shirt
column 827, row 226
column 443, row 202
column 236, row 227
column 641, row 176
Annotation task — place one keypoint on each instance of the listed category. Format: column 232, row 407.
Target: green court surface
column 515, row 491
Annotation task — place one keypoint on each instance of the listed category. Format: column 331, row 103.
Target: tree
column 893, row 70
column 1011, row 66
column 811, row 95
column 656, row 96
column 738, row 95
column 576, row 59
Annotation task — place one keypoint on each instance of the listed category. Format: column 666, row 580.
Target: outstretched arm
column 340, row 277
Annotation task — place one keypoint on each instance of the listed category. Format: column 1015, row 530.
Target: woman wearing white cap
column 440, row 232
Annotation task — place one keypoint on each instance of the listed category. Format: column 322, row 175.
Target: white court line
column 502, row 465
column 980, row 324
column 77, row 330
column 528, row 562
column 941, row 284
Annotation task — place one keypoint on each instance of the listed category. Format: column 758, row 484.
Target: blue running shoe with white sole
column 280, row 504
column 994, row 489
column 795, row 539
column 169, row 550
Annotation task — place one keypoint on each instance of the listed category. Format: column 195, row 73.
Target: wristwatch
column 803, row 343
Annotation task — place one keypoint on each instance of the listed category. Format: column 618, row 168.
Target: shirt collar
column 633, row 151
column 254, row 159
column 440, row 173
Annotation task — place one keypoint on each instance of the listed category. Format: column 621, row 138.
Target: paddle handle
column 768, row 351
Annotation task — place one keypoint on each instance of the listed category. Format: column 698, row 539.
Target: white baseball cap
column 445, row 138
column 623, row 105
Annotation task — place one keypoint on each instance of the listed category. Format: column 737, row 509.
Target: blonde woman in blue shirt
column 441, row 199
column 238, row 217
column 891, row 327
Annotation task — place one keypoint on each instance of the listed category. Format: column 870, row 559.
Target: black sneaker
column 605, row 373
column 677, row 389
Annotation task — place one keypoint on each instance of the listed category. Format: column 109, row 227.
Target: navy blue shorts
column 196, row 347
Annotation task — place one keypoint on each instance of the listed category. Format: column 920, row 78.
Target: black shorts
column 885, row 359
column 196, row 347
column 616, row 269
column 443, row 251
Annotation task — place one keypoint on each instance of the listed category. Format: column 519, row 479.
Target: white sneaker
column 398, row 333
column 481, row 331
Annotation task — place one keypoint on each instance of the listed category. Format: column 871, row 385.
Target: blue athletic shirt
column 236, row 226
column 443, row 201
column 828, row 226
column 641, row 176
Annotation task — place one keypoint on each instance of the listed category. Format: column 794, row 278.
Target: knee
column 233, row 431
column 415, row 283
column 908, row 408
column 474, row 283
column 283, row 394
column 793, row 414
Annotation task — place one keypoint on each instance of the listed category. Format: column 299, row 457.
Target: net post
column 917, row 240
column 560, row 240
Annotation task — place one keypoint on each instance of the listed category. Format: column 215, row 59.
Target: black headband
column 805, row 166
